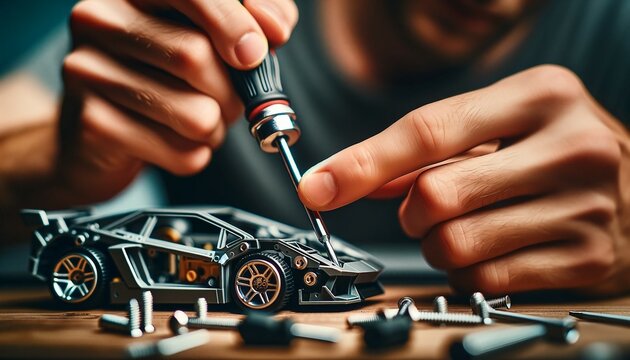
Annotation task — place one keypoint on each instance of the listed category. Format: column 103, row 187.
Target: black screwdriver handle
column 259, row 85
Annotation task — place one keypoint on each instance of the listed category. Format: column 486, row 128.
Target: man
column 514, row 176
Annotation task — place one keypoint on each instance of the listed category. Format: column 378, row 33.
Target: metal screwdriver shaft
column 314, row 216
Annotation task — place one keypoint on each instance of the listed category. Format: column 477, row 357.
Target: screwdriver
column 272, row 122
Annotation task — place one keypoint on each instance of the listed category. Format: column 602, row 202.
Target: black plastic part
column 259, row 85
column 100, row 295
column 288, row 287
column 385, row 334
column 261, row 329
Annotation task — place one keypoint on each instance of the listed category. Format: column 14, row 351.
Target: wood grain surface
column 31, row 326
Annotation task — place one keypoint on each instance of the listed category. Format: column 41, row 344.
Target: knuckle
column 491, row 278
column 427, row 128
column 555, row 83
column 362, row 164
column 597, row 259
column 193, row 54
column 437, row 195
column 597, row 208
column 192, row 162
column 595, row 146
column 203, row 116
column 452, row 243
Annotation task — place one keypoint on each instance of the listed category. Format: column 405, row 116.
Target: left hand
column 548, row 209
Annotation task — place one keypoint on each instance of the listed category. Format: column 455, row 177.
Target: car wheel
column 263, row 282
column 79, row 278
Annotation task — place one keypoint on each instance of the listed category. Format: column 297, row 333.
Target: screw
column 564, row 329
column 406, row 306
column 114, row 323
column 361, row 320
column 134, row 318
column 201, row 308
column 503, row 302
column 169, row 346
column 256, row 328
column 482, row 344
column 440, row 305
column 147, row 312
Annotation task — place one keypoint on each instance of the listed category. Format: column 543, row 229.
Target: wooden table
column 30, row 327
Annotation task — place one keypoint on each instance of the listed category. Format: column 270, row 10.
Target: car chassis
column 219, row 253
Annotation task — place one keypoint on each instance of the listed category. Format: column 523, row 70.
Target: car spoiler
column 37, row 218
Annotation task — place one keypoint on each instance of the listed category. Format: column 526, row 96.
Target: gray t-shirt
column 586, row 36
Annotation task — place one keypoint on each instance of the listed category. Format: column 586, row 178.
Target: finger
column 558, row 265
column 436, row 132
column 234, row 32
column 145, row 140
column 401, row 185
column 489, row 234
column 452, row 190
column 180, row 50
column 154, row 95
column 277, row 18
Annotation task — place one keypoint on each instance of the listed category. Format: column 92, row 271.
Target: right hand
column 146, row 83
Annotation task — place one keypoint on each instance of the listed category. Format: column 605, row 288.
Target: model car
column 220, row 253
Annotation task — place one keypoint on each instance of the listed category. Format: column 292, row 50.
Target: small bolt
column 114, row 323
column 300, row 262
column 440, row 305
column 361, row 320
column 134, row 318
column 201, row 308
column 503, row 302
column 310, row 278
column 169, row 346
column 147, row 312
column 406, row 306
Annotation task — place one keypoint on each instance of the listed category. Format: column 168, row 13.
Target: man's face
column 456, row 30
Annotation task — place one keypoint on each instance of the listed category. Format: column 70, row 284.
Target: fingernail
column 319, row 188
column 251, row 48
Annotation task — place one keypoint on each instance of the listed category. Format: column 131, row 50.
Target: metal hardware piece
column 201, row 308
column 556, row 328
column 169, row 346
column 440, row 305
column 243, row 247
column 134, row 318
column 493, row 342
column 602, row 317
column 406, row 306
column 314, row 216
column 310, row 278
column 300, row 262
column 114, row 323
column 147, row 312
column 503, row 302
column 179, row 323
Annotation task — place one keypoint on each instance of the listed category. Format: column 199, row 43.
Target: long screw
column 134, row 318
column 201, row 308
column 406, row 306
column 485, row 343
column 256, row 328
column 169, row 346
column 556, row 328
column 147, row 312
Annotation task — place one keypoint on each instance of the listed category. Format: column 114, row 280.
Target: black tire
column 282, row 275
column 87, row 293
